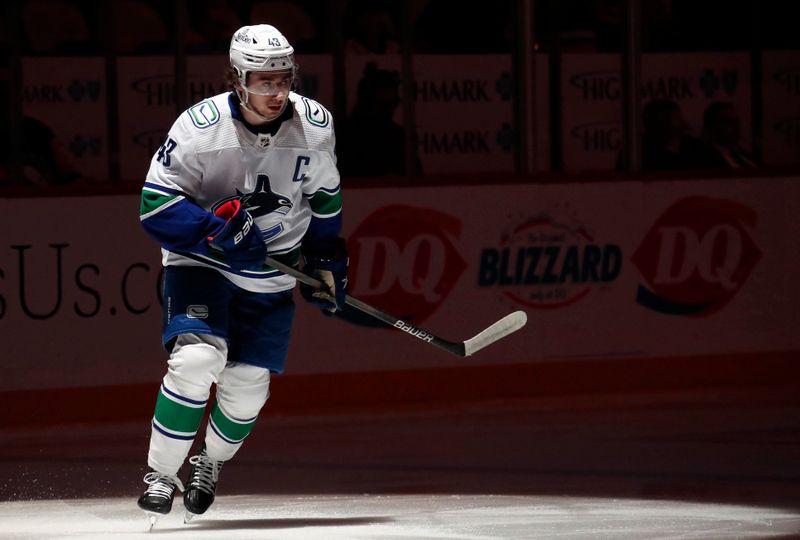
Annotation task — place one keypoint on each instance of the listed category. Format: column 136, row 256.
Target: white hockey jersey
column 287, row 179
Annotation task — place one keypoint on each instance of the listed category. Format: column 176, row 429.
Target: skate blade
column 188, row 516
column 153, row 518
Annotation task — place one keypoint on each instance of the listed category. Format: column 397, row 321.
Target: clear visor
column 269, row 85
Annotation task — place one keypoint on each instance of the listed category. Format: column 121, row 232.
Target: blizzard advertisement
column 549, row 260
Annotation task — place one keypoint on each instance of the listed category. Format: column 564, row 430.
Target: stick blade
column 505, row 326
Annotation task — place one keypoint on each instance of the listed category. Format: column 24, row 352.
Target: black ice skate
column 202, row 485
column 157, row 498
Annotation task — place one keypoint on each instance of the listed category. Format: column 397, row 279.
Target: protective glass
column 269, row 86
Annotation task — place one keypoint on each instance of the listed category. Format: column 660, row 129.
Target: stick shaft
column 498, row 330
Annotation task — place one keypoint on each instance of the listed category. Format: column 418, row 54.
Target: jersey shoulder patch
column 316, row 114
column 204, row 114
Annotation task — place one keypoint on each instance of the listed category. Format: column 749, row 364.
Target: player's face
column 269, row 91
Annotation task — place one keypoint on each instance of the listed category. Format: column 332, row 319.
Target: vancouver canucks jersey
column 286, row 178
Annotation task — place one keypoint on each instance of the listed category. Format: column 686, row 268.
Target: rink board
column 614, row 270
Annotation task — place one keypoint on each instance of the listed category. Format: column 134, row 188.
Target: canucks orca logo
column 263, row 200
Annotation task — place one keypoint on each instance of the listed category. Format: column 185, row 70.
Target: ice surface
column 401, row 516
column 685, row 466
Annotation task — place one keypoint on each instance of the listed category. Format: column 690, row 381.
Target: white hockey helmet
column 260, row 47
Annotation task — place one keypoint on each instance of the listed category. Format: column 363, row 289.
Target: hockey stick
column 505, row 326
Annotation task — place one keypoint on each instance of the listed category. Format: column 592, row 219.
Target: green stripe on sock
column 231, row 429
column 176, row 416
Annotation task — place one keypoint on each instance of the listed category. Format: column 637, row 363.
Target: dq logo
column 402, row 259
column 696, row 257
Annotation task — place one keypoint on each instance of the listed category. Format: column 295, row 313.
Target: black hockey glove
column 327, row 260
column 239, row 239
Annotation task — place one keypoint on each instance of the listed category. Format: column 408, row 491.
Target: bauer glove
column 239, row 239
column 326, row 259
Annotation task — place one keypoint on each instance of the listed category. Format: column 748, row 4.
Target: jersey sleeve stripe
column 326, row 204
column 153, row 202
column 180, row 224
column 157, row 188
column 326, row 216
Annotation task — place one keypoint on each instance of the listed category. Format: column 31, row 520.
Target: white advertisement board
column 621, row 269
column 591, row 92
column 66, row 100
column 781, row 87
column 463, row 109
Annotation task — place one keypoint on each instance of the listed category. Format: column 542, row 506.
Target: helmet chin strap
column 245, row 105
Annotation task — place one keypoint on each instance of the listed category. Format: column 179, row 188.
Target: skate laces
column 161, row 485
column 205, row 472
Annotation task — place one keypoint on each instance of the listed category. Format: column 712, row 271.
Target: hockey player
column 240, row 175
